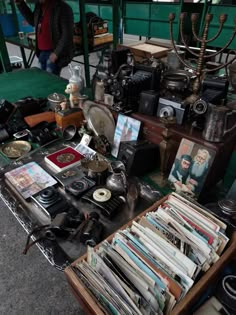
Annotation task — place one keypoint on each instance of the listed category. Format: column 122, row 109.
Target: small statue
column 73, row 90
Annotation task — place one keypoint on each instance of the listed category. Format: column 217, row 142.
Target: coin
column 65, row 157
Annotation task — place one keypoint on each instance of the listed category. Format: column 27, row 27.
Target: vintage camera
column 42, row 134
column 108, row 206
column 6, row 111
column 30, row 106
column 92, row 231
column 4, row 135
column 127, row 84
column 213, row 85
column 79, row 186
column 133, row 153
column 51, row 201
column 148, row 102
column 214, row 90
column 168, row 108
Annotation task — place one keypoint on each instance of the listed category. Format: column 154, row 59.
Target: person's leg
column 53, row 68
column 43, row 57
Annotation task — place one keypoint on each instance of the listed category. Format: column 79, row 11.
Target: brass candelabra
column 200, row 70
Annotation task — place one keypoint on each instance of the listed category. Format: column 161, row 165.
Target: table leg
column 31, row 58
column 24, row 57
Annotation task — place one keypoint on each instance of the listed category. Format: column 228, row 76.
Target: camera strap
column 44, row 233
column 77, row 232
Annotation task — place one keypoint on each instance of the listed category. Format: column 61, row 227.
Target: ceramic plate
column 16, row 149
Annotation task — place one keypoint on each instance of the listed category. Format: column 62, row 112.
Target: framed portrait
column 127, row 129
column 190, row 168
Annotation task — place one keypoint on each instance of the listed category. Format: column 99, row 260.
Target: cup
column 109, row 99
column 21, row 35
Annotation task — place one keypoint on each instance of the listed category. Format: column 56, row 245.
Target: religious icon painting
column 191, row 166
column 127, row 129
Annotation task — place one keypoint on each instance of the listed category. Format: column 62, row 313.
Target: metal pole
column 13, row 8
column 85, row 42
column 116, row 21
column 4, row 58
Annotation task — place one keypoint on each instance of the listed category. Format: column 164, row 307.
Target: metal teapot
column 220, row 120
column 117, row 181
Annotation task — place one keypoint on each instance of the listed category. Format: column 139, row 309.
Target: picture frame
column 190, row 168
column 127, row 129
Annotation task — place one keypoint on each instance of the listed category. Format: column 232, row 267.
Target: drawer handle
column 145, row 130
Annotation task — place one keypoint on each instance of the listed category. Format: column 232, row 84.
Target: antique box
column 90, row 306
column 69, row 118
column 147, row 49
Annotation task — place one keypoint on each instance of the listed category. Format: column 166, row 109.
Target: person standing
column 53, row 22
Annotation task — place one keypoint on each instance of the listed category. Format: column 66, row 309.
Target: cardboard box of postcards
column 117, row 266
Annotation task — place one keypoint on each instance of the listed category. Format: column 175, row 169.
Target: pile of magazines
column 150, row 266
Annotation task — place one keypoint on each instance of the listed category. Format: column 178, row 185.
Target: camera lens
column 91, row 243
column 47, row 193
column 167, row 111
column 200, row 107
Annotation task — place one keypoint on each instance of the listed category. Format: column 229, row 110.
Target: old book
column 29, row 179
column 63, row 159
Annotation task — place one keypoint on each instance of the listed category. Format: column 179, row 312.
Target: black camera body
column 148, row 102
column 79, row 186
column 134, row 153
column 6, row 111
column 92, row 231
column 4, row 135
column 42, row 134
column 51, row 201
column 169, row 108
column 214, row 90
column 127, row 84
column 109, row 208
column 214, row 85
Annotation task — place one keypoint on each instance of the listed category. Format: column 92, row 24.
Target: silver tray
column 99, row 119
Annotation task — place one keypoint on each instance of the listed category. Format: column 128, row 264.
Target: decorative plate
column 99, row 119
column 16, row 149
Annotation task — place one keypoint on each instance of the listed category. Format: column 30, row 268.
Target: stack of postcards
column 150, row 266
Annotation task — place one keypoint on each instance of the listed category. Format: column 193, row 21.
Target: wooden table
column 29, row 82
column 152, row 129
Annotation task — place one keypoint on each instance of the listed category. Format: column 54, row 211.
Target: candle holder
column 204, row 41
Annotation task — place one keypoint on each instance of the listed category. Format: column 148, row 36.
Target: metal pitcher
column 117, row 182
column 220, row 121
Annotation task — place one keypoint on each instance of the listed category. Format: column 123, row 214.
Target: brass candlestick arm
column 199, row 70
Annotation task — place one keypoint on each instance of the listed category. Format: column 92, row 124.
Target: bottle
column 76, row 77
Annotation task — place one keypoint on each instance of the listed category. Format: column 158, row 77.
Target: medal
column 65, row 157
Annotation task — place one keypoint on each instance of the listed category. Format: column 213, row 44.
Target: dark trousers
column 45, row 63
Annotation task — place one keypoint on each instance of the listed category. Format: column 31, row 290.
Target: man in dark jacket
column 53, row 22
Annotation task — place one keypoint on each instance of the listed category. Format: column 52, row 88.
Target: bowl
column 55, row 100
column 69, row 132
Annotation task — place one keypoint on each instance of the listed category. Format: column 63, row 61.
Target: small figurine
column 73, row 90
column 63, row 106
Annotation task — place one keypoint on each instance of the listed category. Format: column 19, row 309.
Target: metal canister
column 173, row 61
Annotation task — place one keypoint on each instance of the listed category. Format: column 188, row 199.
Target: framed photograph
column 127, row 129
column 190, row 168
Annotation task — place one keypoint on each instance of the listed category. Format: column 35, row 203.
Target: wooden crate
column 146, row 50
column 95, row 40
column 183, row 307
